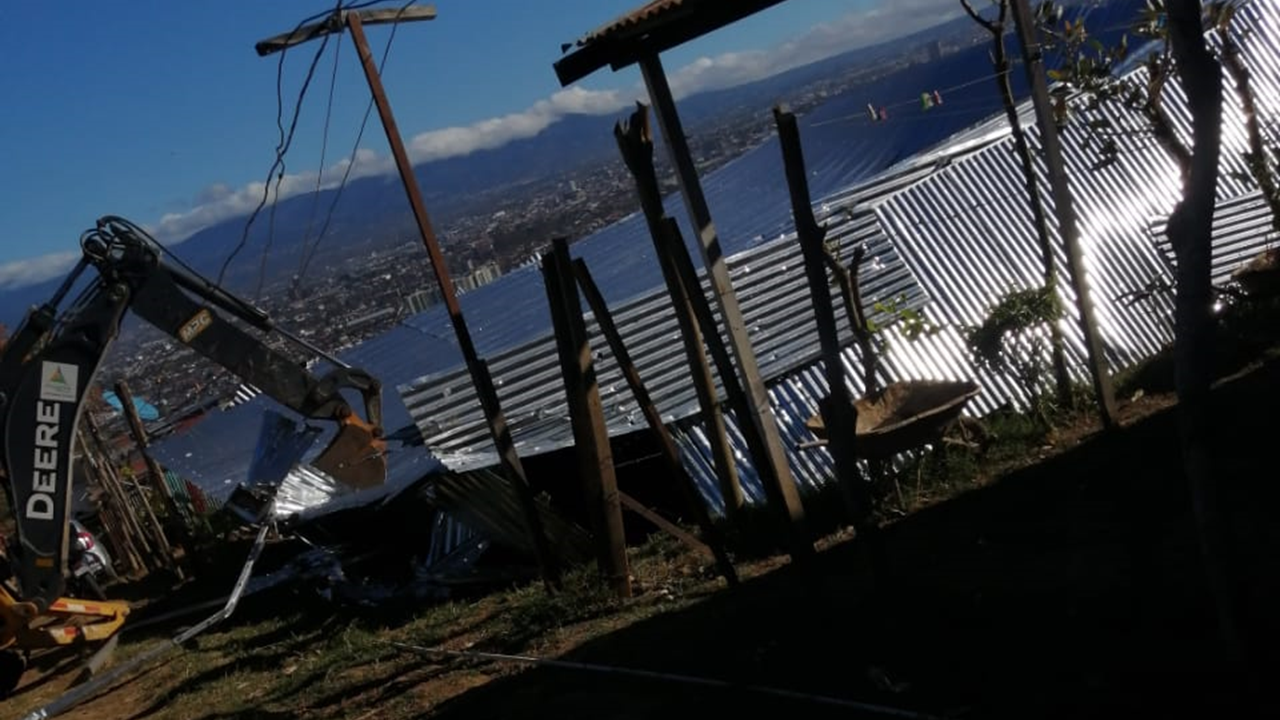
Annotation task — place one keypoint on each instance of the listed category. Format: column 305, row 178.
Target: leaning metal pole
column 498, row 428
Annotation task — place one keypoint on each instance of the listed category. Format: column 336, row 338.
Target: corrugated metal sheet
column 950, row 232
column 483, row 499
column 776, row 305
column 645, row 14
column 947, row 219
column 1241, row 229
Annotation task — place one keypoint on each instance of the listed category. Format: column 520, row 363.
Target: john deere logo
column 59, row 382
column 196, row 325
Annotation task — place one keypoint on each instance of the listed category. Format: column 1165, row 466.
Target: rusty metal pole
column 591, row 435
column 1064, row 206
column 498, row 428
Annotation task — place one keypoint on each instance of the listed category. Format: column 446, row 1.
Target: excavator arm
column 52, row 358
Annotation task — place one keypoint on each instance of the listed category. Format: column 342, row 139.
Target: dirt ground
column 1072, row 588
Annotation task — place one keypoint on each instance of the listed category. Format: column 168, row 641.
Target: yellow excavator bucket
column 357, row 455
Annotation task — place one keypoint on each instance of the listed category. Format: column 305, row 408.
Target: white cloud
column 496, row 132
column 218, row 202
column 861, row 28
column 21, row 273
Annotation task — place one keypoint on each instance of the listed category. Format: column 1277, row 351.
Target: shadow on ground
column 1070, row 589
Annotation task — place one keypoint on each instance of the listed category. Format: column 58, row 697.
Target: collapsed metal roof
column 904, row 210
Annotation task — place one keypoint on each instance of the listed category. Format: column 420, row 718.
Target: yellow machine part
column 66, row 621
column 357, row 455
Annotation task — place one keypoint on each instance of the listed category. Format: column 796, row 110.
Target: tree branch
column 991, row 27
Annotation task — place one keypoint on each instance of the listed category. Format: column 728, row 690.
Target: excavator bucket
column 357, row 456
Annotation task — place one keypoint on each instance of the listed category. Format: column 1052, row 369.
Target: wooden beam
column 838, row 411
column 590, row 434
column 759, row 425
column 334, row 23
column 140, row 439
column 667, row 526
column 667, row 447
column 1064, row 207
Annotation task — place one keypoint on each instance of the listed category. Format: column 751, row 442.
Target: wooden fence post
column 591, row 435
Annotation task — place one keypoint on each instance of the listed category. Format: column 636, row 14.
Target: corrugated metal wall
column 966, row 233
column 949, row 232
column 774, row 297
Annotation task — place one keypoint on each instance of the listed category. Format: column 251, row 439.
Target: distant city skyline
column 164, row 114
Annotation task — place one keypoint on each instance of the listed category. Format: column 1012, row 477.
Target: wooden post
column 498, row 428
column 692, row 311
column 837, row 410
column 1064, row 207
column 771, row 459
column 121, row 544
column 95, row 451
column 591, row 435
column 140, row 438
column 670, row 454
column 113, row 512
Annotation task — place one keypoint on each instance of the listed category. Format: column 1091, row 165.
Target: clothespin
column 937, row 98
column 926, row 101
column 871, row 112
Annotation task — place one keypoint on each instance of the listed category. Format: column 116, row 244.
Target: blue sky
column 160, row 111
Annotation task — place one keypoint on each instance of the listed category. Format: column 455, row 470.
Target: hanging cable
column 351, row 162
column 915, row 100
column 324, row 150
column 282, row 147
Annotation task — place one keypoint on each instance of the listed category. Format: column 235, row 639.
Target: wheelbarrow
column 903, row 415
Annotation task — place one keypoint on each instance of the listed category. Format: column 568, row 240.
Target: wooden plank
column 140, row 439
column 590, row 434
column 665, row 525
column 670, row 455
column 335, row 22
column 690, row 304
column 838, row 411
column 156, row 476
column 94, row 451
column 759, row 425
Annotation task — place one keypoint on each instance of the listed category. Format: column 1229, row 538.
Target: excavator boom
column 53, row 356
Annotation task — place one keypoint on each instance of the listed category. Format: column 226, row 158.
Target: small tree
column 1260, row 162
column 1010, row 340
column 1089, row 67
column 1003, row 70
column 1190, row 231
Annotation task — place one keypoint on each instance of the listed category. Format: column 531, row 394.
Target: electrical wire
column 324, row 150
column 282, row 147
column 351, row 162
column 277, row 167
column 914, row 101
